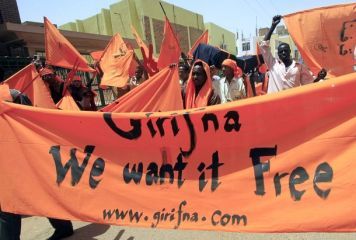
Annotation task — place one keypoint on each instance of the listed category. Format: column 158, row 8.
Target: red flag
column 117, row 63
column 170, row 49
column 29, row 82
column 204, row 38
column 159, row 93
column 149, row 61
column 60, row 52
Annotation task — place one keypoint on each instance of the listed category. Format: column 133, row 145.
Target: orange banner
column 326, row 37
column 282, row 162
column 159, row 93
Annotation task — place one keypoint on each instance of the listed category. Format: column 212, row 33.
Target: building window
column 246, row 46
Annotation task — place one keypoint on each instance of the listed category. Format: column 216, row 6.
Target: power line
column 274, row 7
column 256, row 10
column 262, row 7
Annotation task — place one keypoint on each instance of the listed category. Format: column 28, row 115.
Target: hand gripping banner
column 277, row 163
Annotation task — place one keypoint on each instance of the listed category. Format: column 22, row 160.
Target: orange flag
column 29, row 82
column 60, row 52
column 326, row 37
column 67, row 103
column 70, row 77
column 117, row 63
column 5, row 93
column 170, row 49
column 159, row 93
column 204, row 38
column 139, row 41
column 96, row 55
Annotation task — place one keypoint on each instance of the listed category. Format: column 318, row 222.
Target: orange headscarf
column 200, row 100
column 232, row 64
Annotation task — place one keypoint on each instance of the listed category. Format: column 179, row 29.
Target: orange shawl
column 201, row 100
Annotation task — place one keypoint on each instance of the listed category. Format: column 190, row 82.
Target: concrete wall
column 9, row 11
column 148, row 19
column 221, row 37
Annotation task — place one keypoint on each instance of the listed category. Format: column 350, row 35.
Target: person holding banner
column 10, row 223
column 284, row 73
column 199, row 91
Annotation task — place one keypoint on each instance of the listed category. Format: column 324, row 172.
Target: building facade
column 222, row 38
column 9, row 12
column 148, row 19
column 247, row 46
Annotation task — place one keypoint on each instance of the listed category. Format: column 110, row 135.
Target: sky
column 233, row 15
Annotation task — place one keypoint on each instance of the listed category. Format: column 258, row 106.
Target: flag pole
column 164, row 12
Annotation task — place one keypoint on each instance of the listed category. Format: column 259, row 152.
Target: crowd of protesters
column 201, row 85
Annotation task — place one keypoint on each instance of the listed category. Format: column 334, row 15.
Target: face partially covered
column 199, row 76
column 183, row 73
column 284, row 52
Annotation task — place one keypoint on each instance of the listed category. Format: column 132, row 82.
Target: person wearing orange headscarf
column 231, row 87
column 54, row 83
column 199, row 91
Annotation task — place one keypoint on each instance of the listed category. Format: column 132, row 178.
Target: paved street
column 38, row 228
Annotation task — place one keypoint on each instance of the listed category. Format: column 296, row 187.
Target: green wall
column 148, row 19
column 219, row 36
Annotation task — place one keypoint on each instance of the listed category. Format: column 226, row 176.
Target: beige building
column 280, row 35
column 247, row 46
column 148, row 19
column 221, row 38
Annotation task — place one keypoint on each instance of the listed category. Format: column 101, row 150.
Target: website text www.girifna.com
column 176, row 217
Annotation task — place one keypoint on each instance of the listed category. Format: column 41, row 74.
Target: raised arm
column 275, row 21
